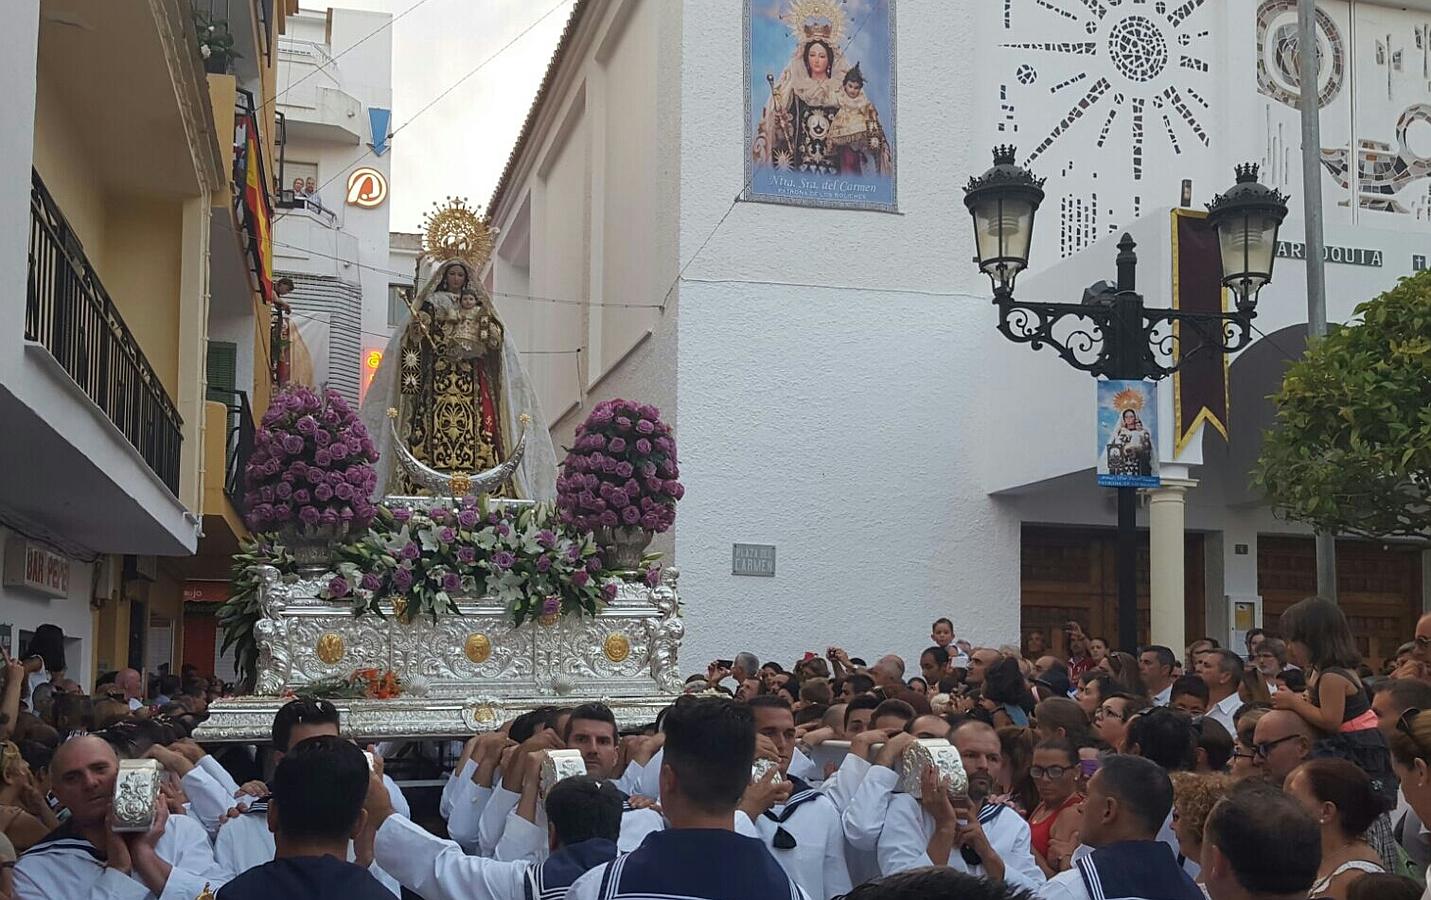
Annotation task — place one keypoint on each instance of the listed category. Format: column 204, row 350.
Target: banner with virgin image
column 820, row 103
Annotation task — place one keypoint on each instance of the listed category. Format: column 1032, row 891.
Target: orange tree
column 1351, row 450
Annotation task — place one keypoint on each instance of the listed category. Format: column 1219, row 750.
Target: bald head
column 1282, row 740
column 888, row 672
column 130, row 682
column 82, row 775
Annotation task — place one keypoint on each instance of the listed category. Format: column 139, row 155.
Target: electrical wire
column 342, row 172
column 336, row 56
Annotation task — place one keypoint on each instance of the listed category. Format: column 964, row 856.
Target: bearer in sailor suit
column 592, row 730
column 84, row 858
column 207, row 785
column 494, row 809
column 978, row 837
column 705, row 770
column 586, row 819
column 468, row 793
column 863, row 809
column 1128, row 799
column 245, row 841
column 800, row 824
column 315, row 812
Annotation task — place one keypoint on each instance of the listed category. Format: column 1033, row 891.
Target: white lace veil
column 536, row 477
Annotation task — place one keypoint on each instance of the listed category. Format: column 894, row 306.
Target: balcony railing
column 238, row 443
column 68, row 311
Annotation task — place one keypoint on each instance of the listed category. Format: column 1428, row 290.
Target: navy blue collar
column 1145, row 869
column 713, row 864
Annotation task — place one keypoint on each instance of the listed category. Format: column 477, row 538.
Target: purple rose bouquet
column 312, row 464
column 621, row 470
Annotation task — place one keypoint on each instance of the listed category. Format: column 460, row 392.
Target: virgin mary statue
column 456, row 382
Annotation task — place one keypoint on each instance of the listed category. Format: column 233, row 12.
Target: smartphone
column 1088, row 767
column 726, row 663
column 372, row 766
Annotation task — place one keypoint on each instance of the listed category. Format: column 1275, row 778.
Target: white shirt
column 440, row 870
column 525, row 841
column 643, row 781
column 69, row 868
column 804, row 768
column 454, row 782
column 842, row 786
column 469, row 802
column 817, row 861
column 1164, row 697
column 494, row 815
column 864, row 808
column 904, row 841
column 1223, row 710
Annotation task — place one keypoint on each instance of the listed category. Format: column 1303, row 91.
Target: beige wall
column 60, row 160
column 629, row 274
column 141, row 268
column 559, row 269
column 134, row 243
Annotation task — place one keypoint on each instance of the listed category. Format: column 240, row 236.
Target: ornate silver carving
column 763, row 767
column 558, row 765
column 628, row 652
column 940, row 754
column 136, row 794
column 249, row 719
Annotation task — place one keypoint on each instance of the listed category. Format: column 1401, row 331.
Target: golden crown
column 1127, row 399
column 453, row 229
column 810, row 20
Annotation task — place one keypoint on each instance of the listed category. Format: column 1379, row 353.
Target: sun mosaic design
column 1141, row 71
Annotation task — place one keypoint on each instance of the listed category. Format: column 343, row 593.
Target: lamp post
column 1111, row 334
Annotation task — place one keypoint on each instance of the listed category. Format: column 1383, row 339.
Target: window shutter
column 222, row 371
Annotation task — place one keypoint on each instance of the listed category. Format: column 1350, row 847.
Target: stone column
column 1166, row 576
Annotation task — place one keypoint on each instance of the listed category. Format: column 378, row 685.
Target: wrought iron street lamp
column 1247, row 219
column 1111, row 334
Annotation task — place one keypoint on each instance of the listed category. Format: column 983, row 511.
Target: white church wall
column 826, row 364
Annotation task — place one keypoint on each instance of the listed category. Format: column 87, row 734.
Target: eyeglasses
column 1052, row 773
column 1107, row 712
column 1264, row 749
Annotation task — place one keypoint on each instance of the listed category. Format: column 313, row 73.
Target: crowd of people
column 1277, row 770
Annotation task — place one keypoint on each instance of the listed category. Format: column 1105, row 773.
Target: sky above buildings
column 460, row 145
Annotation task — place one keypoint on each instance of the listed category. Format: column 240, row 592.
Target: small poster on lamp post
column 1128, row 434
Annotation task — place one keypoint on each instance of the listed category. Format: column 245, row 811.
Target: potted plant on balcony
column 216, row 43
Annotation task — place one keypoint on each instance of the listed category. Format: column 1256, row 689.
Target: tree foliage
column 1351, row 450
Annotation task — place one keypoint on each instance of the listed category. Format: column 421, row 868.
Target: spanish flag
column 258, row 213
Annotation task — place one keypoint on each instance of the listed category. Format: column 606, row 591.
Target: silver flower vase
column 312, row 546
column 623, row 546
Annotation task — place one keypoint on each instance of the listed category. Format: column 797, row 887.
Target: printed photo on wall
column 820, row 103
column 1128, row 434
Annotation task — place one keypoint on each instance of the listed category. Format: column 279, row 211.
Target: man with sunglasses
column 1282, row 741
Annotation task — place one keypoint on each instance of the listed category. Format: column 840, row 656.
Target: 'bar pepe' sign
column 1346, row 256
column 32, row 567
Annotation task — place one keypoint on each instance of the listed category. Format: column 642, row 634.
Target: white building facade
column 836, row 381
column 331, row 232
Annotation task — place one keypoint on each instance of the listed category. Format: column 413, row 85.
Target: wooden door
column 1379, row 587
column 1072, row 573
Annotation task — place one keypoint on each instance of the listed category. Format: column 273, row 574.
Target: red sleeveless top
column 1040, row 832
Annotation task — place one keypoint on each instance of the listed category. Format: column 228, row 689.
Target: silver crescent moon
column 478, row 482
